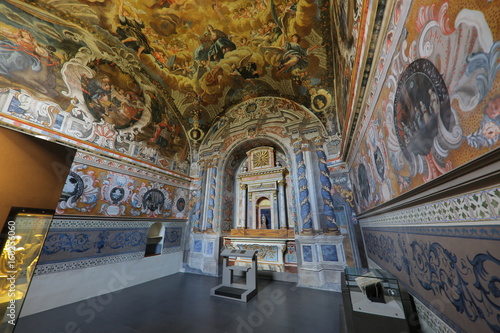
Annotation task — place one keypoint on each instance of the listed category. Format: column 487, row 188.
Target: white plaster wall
column 57, row 289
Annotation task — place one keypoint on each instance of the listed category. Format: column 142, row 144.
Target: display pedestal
column 374, row 301
column 237, row 291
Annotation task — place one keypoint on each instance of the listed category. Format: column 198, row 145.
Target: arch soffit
column 277, row 119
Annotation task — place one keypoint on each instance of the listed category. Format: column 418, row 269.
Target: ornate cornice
column 282, row 171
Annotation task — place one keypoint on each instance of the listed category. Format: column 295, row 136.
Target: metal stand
column 237, row 291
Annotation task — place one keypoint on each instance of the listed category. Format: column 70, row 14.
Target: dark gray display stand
column 237, row 291
column 375, row 302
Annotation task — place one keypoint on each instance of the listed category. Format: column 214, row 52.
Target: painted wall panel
column 433, row 102
column 446, row 254
column 98, row 191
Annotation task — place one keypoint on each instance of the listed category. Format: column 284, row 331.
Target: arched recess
column 264, row 121
column 232, row 165
column 154, row 243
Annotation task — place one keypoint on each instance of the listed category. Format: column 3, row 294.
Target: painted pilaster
column 326, row 189
column 212, row 183
column 242, row 221
column 304, row 204
column 308, row 159
column 196, row 215
column 281, row 198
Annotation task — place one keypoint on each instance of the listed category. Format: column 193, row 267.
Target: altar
column 262, row 223
column 274, row 254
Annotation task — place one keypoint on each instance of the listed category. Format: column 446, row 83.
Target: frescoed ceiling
column 177, row 65
column 210, row 54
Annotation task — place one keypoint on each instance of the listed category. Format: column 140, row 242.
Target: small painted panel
column 210, row 248
column 329, row 253
column 198, row 245
column 291, row 254
column 173, row 237
column 265, row 252
column 307, row 253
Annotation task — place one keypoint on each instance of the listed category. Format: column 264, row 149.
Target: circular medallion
column 112, row 95
column 251, row 108
column 196, row 134
column 153, row 200
column 117, row 194
column 421, row 100
column 181, row 204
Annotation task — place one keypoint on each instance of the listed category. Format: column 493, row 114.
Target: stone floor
column 181, row 303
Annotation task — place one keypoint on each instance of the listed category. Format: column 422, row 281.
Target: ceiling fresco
column 210, row 54
column 149, row 78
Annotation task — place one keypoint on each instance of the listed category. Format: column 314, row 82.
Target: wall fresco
column 90, row 190
column 428, row 112
column 347, row 30
column 75, row 84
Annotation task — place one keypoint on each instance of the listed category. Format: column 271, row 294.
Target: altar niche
column 262, row 220
column 262, row 192
column 264, row 213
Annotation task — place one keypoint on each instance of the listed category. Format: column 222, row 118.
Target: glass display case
column 21, row 243
column 374, row 301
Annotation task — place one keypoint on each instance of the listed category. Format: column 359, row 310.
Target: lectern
column 237, row 291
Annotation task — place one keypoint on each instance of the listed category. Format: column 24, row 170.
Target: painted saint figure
column 97, row 94
column 293, row 55
column 131, row 33
column 263, row 222
column 215, row 44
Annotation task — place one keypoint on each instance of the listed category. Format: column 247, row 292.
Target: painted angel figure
column 21, row 52
column 294, row 56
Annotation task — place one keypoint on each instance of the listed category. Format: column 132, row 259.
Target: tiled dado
column 425, row 315
column 482, row 205
column 74, row 244
column 433, row 322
